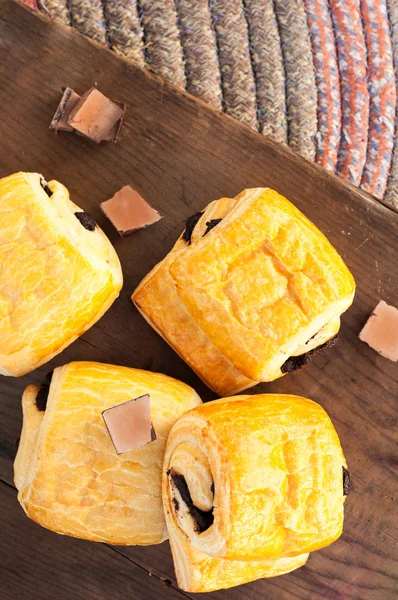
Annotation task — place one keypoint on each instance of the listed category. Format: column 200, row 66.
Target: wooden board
column 180, row 155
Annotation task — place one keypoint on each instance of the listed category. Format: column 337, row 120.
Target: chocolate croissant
column 58, row 272
column 249, row 292
column 69, row 476
column 251, row 485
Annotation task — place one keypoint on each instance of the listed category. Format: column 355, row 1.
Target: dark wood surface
column 180, row 155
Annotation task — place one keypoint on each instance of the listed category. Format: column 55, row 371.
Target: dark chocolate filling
column 86, row 220
column 210, row 224
column 42, row 395
column 204, row 519
column 346, row 481
column 153, row 433
column 297, row 362
column 190, row 225
column 45, row 187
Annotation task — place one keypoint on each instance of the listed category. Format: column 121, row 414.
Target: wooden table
column 180, row 155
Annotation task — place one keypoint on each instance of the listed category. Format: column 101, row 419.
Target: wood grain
column 180, row 155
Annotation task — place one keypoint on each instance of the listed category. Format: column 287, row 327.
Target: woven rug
column 318, row 75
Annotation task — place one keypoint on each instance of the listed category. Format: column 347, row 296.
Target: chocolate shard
column 128, row 211
column 96, row 116
column 86, row 220
column 190, row 225
column 129, row 424
column 297, row 362
column 42, row 395
column 67, row 104
column 210, row 224
column 203, row 519
column 346, row 481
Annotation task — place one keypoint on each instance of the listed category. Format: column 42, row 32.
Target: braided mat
column 318, row 75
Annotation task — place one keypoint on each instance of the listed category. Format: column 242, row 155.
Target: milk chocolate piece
column 65, row 107
column 203, row 519
column 96, row 117
column 129, row 424
column 381, row 331
column 128, row 211
column 298, row 362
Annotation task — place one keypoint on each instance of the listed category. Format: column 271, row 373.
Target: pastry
column 58, row 272
column 69, row 477
column 251, row 485
column 249, row 285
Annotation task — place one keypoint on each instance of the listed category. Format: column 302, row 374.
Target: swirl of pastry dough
column 248, row 483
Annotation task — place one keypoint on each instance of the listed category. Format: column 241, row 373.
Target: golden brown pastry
column 251, row 485
column 69, row 476
column 246, row 287
column 58, row 272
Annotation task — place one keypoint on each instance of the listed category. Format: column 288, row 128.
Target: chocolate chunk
column 190, row 225
column 45, row 187
column 210, row 224
column 129, row 424
column 86, row 220
column 346, row 481
column 128, row 211
column 297, row 362
column 204, row 519
column 42, row 395
column 96, row 116
column 67, row 104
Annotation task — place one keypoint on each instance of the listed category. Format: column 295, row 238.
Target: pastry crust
column 238, row 300
column 57, row 278
column 69, row 477
column 269, row 469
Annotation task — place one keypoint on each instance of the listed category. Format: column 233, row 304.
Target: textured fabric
column 200, row 51
column 126, row 35
column 237, row 76
column 320, row 75
column 391, row 196
column 351, row 51
column 162, row 40
column 268, row 68
column 382, row 96
column 301, row 93
column 327, row 80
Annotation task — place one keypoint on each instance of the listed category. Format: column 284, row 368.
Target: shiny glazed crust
column 237, row 302
column 69, row 477
column 56, row 278
column 274, row 463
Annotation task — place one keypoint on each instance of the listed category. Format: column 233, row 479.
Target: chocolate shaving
column 346, row 481
column 210, row 224
column 204, row 519
column 45, row 187
column 190, row 225
column 86, row 220
column 297, row 362
column 42, row 395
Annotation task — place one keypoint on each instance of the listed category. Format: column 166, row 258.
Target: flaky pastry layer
column 56, row 277
column 69, row 477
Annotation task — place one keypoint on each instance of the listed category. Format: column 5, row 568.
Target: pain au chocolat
column 251, row 486
column 70, row 478
column 249, row 292
column 58, row 272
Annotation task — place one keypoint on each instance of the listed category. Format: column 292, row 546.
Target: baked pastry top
column 249, row 484
column 58, row 272
column 249, row 284
column 69, row 476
